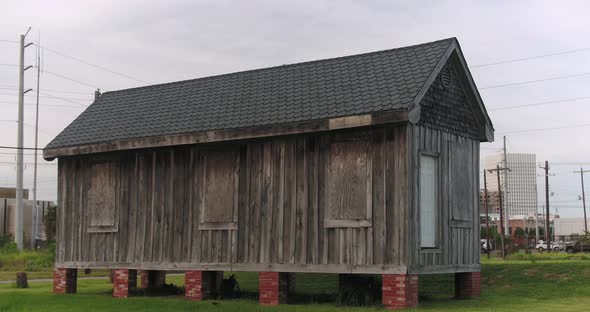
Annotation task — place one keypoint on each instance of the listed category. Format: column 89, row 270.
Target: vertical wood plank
column 301, row 201
column 312, row 204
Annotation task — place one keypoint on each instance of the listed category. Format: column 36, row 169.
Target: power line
column 63, row 99
column 14, row 154
column 48, row 90
column 571, row 163
column 530, row 58
column 29, row 164
column 19, row 148
column 52, row 105
column 95, row 66
column 66, row 98
column 70, row 79
column 534, row 81
column 545, row 129
column 539, row 103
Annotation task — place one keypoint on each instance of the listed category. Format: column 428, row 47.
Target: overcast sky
column 163, row 41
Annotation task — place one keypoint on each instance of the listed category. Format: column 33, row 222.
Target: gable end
column 445, row 106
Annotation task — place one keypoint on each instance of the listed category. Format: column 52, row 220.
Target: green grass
column 11, row 275
column 545, row 284
column 26, row 261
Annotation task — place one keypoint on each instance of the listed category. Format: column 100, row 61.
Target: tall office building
column 521, row 196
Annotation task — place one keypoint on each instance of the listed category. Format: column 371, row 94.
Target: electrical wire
column 544, row 129
column 93, row 65
column 47, row 90
column 539, row 103
column 48, row 96
column 63, row 99
column 70, row 79
column 530, row 58
column 43, row 104
column 533, row 81
column 20, row 148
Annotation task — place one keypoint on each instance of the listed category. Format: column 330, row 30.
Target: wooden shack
column 363, row 164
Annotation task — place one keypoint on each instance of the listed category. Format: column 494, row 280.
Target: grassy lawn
column 37, row 264
column 541, row 283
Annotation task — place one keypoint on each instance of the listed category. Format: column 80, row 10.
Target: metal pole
column 35, row 207
column 583, row 199
column 506, row 197
column 18, row 235
column 547, row 229
column 485, row 194
column 501, row 209
column 536, row 214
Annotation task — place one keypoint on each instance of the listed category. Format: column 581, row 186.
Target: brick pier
column 124, row 282
column 399, row 291
column 467, row 285
column 65, row 280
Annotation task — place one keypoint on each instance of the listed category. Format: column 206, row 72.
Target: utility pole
column 35, row 206
column 498, row 169
column 581, row 172
column 485, row 194
column 18, row 235
column 506, row 198
column 547, row 228
column 536, row 214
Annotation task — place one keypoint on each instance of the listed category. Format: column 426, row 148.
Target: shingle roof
column 351, row 85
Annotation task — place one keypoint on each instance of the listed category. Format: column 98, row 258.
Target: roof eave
column 328, row 124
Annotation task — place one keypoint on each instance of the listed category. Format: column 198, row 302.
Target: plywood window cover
column 462, row 215
column 329, row 222
column 105, row 228
column 220, row 225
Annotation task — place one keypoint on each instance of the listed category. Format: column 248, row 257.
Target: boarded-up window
column 461, row 184
column 349, row 185
column 428, row 201
column 102, row 197
column 219, row 197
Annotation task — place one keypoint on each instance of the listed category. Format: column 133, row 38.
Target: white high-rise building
column 521, row 198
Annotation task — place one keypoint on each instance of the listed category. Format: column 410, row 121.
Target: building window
column 428, row 201
column 349, row 189
column 219, row 197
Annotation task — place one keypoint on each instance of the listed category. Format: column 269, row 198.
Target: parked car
column 555, row 246
column 484, row 245
column 558, row 246
column 578, row 246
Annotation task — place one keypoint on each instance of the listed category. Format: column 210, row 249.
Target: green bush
column 7, row 244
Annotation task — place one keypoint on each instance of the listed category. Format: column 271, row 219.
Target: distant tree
column 519, row 232
column 493, row 233
column 50, row 223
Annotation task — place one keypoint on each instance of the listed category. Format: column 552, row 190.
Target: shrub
column 7, row 244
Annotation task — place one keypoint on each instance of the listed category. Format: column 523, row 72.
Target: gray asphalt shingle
column 351, row 85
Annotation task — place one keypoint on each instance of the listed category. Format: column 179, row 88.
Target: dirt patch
column 556, row 277
column 530, row 272
column 586, row 273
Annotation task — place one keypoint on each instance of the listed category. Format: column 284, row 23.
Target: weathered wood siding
column 281, row 201
column 458, row 237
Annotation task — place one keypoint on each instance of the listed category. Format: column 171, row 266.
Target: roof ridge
column 284, row 65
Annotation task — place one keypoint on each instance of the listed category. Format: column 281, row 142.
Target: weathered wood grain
column 278, row 201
